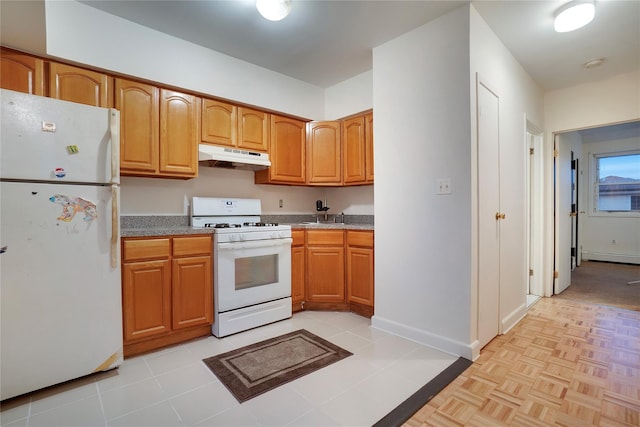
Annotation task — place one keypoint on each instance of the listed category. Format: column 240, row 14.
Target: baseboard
column 429, row 339
column 513, row 318
column 609, row 257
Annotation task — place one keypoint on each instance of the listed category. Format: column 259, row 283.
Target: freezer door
column 61, row 312
column 48, row 139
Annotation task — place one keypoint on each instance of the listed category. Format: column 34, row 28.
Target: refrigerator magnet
column 60, row 172
column 72, row 149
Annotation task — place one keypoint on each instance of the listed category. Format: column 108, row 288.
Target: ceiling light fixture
column 574, row 15
column 273, row 10
column 593, row 63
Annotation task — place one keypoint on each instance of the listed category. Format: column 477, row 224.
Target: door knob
column 500, row 216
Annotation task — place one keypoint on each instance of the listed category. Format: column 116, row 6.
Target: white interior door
column 488, row 210
column 563, row 218
column 535, row 214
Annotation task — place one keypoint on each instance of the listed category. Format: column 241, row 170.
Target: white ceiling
column 324, row 42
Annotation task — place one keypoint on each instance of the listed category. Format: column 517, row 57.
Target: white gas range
column 251, row 264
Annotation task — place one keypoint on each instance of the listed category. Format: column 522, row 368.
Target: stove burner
column 260, row 224
column 221, row 225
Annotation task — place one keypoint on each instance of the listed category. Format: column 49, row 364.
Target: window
column 617, row 182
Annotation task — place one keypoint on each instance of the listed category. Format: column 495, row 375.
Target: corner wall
column 422, row 128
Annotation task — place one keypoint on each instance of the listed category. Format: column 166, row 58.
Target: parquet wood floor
column 566, row 363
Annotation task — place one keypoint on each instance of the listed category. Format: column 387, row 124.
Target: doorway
column 586, row 224
column 535, row 213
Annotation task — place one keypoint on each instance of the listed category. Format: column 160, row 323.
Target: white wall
column 421, row 127
column 597, row 231
column 520, row 100
column 350, row 96
column 151, row 196
column 80, row 33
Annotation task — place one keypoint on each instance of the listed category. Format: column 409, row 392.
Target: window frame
column 594, row 185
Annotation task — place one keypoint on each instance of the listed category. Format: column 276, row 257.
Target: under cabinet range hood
column 232, row 158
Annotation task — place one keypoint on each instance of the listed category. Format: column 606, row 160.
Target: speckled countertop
column 160, row 225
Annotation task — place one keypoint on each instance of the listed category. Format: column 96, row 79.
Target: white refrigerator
column 60, row 292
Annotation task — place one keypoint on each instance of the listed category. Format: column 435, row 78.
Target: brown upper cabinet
column 353, row 150
column 22, row 73
column 253, row 129
column 286, row 152
column 159, row 131
column 324, row 159
column 219, row 123
column 368, row 140
column 229, row 125
column 74, row 84
column 357, row 135
column 139, row 106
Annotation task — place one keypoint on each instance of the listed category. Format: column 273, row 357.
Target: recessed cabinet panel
column 22, row 73
column 146, row 299
column 138, row 104
column 324, row 156
column 253, row 132
column 219, row 123
column 179, row 133
column 75, row 84
column 286, row 152
column 353, row 131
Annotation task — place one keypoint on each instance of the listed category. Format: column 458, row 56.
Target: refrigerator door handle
column 114, row 127
column 115, row 224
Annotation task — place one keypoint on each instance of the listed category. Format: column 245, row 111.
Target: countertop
column 186, row 230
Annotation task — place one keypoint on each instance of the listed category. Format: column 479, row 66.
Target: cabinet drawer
column 325, row 237
column 298, row 237
column 135, row 250
column 360, row 238
column 186, row 246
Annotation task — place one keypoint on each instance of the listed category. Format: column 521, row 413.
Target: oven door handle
column 255, row 244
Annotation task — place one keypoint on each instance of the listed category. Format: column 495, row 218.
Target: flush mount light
column 574, row 15
column 593, row 63
column 273, row 10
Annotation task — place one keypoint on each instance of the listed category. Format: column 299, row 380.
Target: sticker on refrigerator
column 73, row 205
column 59, row 172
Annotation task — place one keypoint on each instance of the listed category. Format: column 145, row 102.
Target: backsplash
column 169, row 221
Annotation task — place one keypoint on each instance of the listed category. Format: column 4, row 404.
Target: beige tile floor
column 172, row 387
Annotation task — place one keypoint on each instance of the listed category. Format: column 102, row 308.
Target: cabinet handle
column 500, row 216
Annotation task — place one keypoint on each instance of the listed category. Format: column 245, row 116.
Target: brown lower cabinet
column 336, row 269
column 167, row 291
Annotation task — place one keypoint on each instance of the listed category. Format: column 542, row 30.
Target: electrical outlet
column 281, row 203
column 443, row 186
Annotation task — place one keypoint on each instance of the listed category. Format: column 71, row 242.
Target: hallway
column 566, row 363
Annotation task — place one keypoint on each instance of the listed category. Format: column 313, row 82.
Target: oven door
column 251, row 272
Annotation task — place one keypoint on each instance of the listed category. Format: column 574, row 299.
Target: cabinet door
column 179, row 133
column 323, row 153
column 360, row 275
column 139, row 126
column 297, row 267
column 353, row 150
column 219, row 124
column 325, row 274
column 79, row 85
column 368, row 142
column 192, row 292
column 22, row 73
column 253, row 129
column 286, row 152
column 146, row 293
